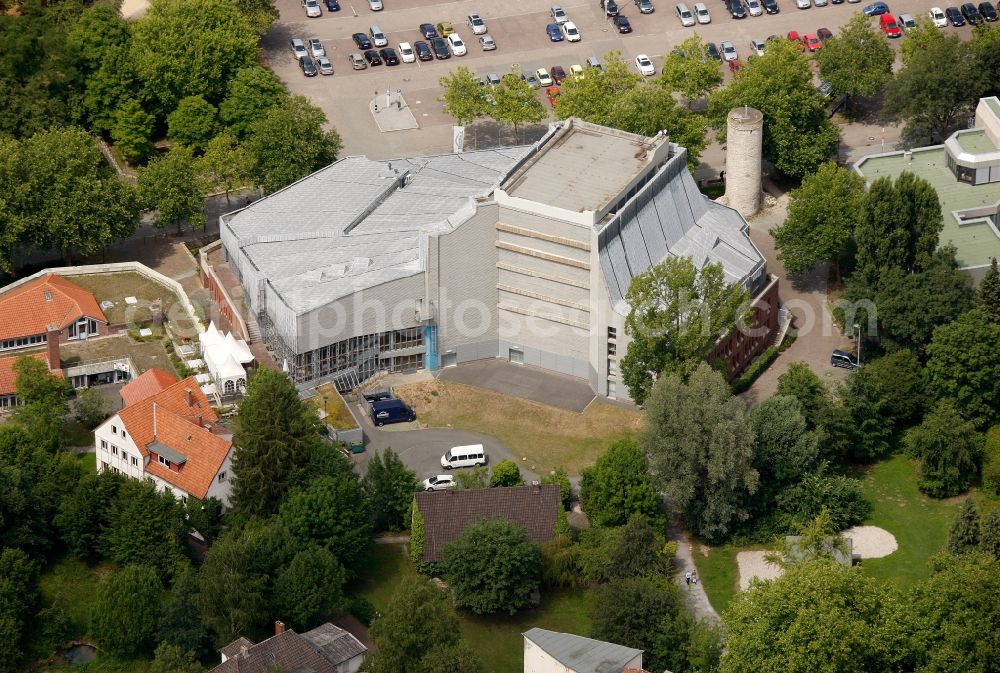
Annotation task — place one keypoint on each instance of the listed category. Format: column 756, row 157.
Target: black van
column 390, row 411
column 843, row 359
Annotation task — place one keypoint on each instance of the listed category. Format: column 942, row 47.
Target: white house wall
column 222, row 490
column 125, row 445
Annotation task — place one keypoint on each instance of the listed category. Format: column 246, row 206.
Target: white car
column 558, row 14
column 803, row 4
column 757, row 46
column 701, row 13
column 820, row 3
column 645, row 66
column 440, row 482
column 312, row 8
column 729, row 52
column 375, row 5
column 406, row 52
column 544, row 78
column 456, row 44
column 316, row 47
column 938, row 17
column 477, row 24
column 571, row 31
column 754, row 7
column 299, row 48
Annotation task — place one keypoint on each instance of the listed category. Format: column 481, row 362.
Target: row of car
column 313, row 11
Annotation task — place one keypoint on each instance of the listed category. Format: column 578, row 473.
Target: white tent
column 239, row 349
column 210, row 337
column 225, row 357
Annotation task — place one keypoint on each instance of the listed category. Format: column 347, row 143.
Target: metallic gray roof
column 334, row 643
column 358, row 223
column 670, row 216
column 583, row 655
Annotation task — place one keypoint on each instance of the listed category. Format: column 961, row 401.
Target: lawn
column 116, row 286
column 719, row 574
column 497, row 639
column 337, row 415
column 548, row 437
column 73, row 582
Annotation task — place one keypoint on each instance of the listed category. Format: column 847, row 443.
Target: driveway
column 528, row 383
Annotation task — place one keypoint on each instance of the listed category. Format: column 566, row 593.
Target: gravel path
column 694, row 594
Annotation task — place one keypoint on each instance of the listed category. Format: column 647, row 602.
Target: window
column 114, row 451
column 104, row 466
column 612, row 349
column 612, row 332
column 115, row 470
column 222, row 477
column 163, row 461
column 135, row 461
column 184, row 499
column 104, row 444
column 114, row 429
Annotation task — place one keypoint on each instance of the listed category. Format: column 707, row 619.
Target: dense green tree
column 560, row 477
column 458, row 658
column 204, row 516
column 619, row 485
column 856, row 61
column 515, row 103
column 950, row 451
column 84, row 515
column 802, row 383
column 798, row 134
column 989, row 538
column 988, row 294
column 839, row 495
column 289, row 142
column 180, row 624
column 98, row 29
column 899, row 380
column 113, row 83
column 194, row 122
column 132, row 131
column 146, row 528
column 126, row 610
column 963, row 537
column 690, row 71
column 232, row 584
column 866, row 407
column 505, row 473
column 784, row 448
column 310, row 589
column 639, row 550
column 331, row 512
column 700, row 447
column 493, row 566
column 477, row 477
column 389, row 486
column 676, row 315
column 225, row 164
column 92, row 407
column 44, row 397
column 276, row 436
column 174, row 659
column 260, row 14
column 464, row 96
column 962, row 366
column 171, row 186
column 249, row 95
column 186, row 48
column 19, row 594
column 819, row 617
column 823, row 214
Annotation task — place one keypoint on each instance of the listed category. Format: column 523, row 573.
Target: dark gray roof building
column 578, row 654
column 325, row 649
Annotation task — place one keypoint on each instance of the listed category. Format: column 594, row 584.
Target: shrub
column 506, row 473
column 416, row 533
column 560, row 477
column 991, row 461
column 756, row 368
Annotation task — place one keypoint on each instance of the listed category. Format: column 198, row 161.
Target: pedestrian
column 687, row 578
column 694, row 577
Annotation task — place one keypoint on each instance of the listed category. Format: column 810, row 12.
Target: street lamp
column 325, row 412
column 857, row 330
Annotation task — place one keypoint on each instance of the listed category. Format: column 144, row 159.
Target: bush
column 416, row 533
column 506, row 473
column 756, row 368
column 991, row 461
column 803, row 502
column 619, row 485
column 363, row 609
column 560, row 477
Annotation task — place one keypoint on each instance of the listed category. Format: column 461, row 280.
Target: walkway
column 694, row 594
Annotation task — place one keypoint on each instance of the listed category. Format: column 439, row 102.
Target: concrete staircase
column 253, row 330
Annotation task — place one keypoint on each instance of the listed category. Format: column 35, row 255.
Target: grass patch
column 497, row 639
column 88, row 460
column 718, row 574
column 74, row 583
column 338, row 417
column 547, row 436
column 116, row 286
column 144, row 355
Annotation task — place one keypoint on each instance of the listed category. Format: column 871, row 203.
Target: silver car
column 375, row 5
column 324, row 65
column 316, row 47
column 476, row 23
column 558, row 14
column 312, row 8
column 357, row 61
column 803, row 4
column 487, row 42
column 754, row 7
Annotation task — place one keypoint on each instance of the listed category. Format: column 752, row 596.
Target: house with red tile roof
column 8, row 391
column 169, row 433
column 46, row 305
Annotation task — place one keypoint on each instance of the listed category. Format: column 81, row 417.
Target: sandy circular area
column 871, row 541
column 753, row 564
column 134, row 9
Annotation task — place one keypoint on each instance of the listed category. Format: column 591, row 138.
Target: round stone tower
column 744, row 133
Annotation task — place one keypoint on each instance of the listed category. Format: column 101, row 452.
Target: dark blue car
column 554, row 32
column 332, row 6
column 876, row 9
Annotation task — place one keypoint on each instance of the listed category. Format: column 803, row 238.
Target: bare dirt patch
column 753, row 564
column 115, row 287
column 871, row 541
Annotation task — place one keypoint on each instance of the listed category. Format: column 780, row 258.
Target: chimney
column 188, row 400
column 279, row 628
column 201, row 421
column 52, row 344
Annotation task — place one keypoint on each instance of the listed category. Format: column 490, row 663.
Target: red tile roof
column 8, row 377
column 148, row 383
column 47, row 300
column 178, row 426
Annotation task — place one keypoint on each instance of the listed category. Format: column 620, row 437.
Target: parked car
column 406, row 53
column 390, row 411
column 378, row 37
column 621, row 23
column 841, row 358
column 543, row 76
column 362, row 41
column 757, row 45
column 312, row 8
column 988, row 11
column 372, row 57
column 558, row 14
column 729, row 51
column 736, row 9
column 701, row 13
column 713, row 51
column 530, row 79
column 576, row 71
column 440, row 482
column 876, row 9
column 907, row 22
column 464, row 456
column 889, row 26
column 324, row 65
column 554, row 32
column 803, row 4
column 299, row 48
column 684, row 14
column 440, row 47
column 487, row 42
column 357, row 61
column 427, row 30
column 457, row 46
column 820, row 3
column 955, row 16
column 571, row 31
column 938, row 17
column 476, row 23
column 558, row 74
column 389, row 56
column 332, row 6
column 645, row 65
column 824, row 34
column 971, row 14
column 645, row 6
column 770, row 6
column 375, row 5
column 594, row 62
column 316, row 47
column 423, row 50
column 754, row 7
column 552, row 93
column 308, row 66
column 610, row 7
column 811, row 42
column 445, row 28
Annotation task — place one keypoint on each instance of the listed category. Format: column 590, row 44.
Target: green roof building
column 965, row 171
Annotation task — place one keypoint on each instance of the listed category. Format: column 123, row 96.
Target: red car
column 889, row 26
column 557, row 73
column 812, row 42
column 552, row 93
column 794, row 36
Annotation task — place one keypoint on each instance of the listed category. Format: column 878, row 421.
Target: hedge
column 756, row 368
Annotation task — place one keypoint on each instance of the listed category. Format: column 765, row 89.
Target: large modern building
column 965, row 172
column 518, row 253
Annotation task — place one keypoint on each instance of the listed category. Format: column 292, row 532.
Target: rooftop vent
column 361, row 263
column 48, row 296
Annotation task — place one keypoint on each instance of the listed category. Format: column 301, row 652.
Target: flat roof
column 975, row 141
column 582, row 167
column 976, row 242
column 994, row 105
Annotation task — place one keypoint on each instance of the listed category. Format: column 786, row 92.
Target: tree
column 389, row 487
column 817, row 616
column 225, row 164
column 459, row 658
column 840, row 496
column 331, row 512
column 126, row 610
column 146, row 528
column 477, row 477
column 19, row 595
column 989, row 538
column 260, row 13
column 950, row 450
column 310, row 588
column 92, row 407
column 232, row 584
column 560, row 477
column 645, row 613
column 204, row 516
column 505, row 473
column 464, row 96
column 516, row 102
column 492, row 567
column 935, row 89
column 822, row 216
column 798, row 134
column 180, row 624
column 84, row 515
column 639, row 550
column 186, row 48
column 112, row 83
column 858, row 61
column 802, row 383
column 132, row 131
column 784, row 449
column 249, row 95
column 676, row 315
column 819, row 539
column 899, row 381
column 863, row 402
column 288, row 143
column 988, row 294
column 174, row 659
column 171, row 186
column 690, row 71
column 44, row 402
column 194, row 123
column 700, row 447
column 961, row 366
column 963, row 537
column 98, row 29
column 276, row 436
column 619, row 485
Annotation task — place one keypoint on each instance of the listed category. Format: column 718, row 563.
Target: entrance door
column 449, row 359
column 516, row 356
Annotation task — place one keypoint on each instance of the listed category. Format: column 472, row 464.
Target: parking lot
column 518, row 26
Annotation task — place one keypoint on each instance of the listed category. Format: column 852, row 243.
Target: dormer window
column 163, row 461
column 48, row 296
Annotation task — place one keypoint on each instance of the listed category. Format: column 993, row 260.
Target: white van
column 378, row 37
column 464, row 456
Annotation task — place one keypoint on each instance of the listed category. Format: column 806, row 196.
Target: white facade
column 116, row 451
